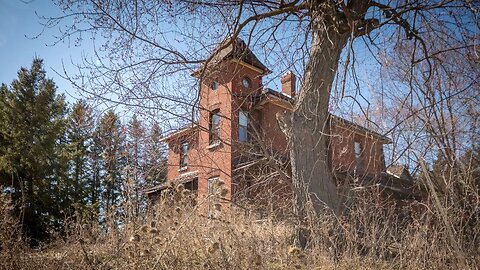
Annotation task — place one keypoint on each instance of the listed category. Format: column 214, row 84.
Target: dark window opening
column 192, row 185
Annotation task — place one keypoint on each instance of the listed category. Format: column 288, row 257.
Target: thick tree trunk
column 314, row 186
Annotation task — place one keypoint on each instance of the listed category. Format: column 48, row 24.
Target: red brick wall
column 174, row 155
column 342, row 151
column 242, row 95
column 273, row 135
column 217, row 161
column 229, row 98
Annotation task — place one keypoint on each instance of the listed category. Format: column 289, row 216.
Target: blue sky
column 18, row 27
column 19, row 44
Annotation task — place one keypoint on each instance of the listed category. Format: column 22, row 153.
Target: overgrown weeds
column 373, row 234
column 12, row 246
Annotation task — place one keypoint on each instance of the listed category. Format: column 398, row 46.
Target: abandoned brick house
column 237, row 123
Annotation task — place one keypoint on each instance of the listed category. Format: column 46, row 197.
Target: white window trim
column 214, row 144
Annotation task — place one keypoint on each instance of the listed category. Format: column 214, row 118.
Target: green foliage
column 58, row 163
column 32, row 126
column 79, row 135
column 156, row 170
column 135, row 173
column 111, row 137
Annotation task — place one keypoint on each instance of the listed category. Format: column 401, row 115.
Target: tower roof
column 237, row 49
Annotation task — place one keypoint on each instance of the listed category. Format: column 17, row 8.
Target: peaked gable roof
column 236, row 49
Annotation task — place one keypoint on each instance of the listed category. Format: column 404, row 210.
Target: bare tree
column 149, row 47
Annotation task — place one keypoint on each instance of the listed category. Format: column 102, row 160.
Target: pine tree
column 31, row 130
column 111, row 137
column 97, row 173
column 80, row 140
column 156, row 167
column 136, row 163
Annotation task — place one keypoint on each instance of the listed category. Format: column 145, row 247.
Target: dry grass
column 174, row 236
column 12, row 249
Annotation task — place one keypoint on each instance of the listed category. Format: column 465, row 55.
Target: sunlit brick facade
column 233, row 100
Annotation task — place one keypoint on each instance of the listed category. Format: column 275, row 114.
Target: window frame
column 214, row 127
column 183, row 163
column 242, row 127
column 248, row 81
column 357, row 149
column 214, row 85
column 192, row 185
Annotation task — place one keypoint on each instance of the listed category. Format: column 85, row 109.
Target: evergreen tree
column 111, row 137
column 97, row 173
column 80, row 140
column 31, row 129
column 156, row 167
column 136, row 163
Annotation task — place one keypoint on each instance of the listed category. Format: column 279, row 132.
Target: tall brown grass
column 12, row 246
column 373, row 234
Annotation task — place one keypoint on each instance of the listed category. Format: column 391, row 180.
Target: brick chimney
column 288, row 84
